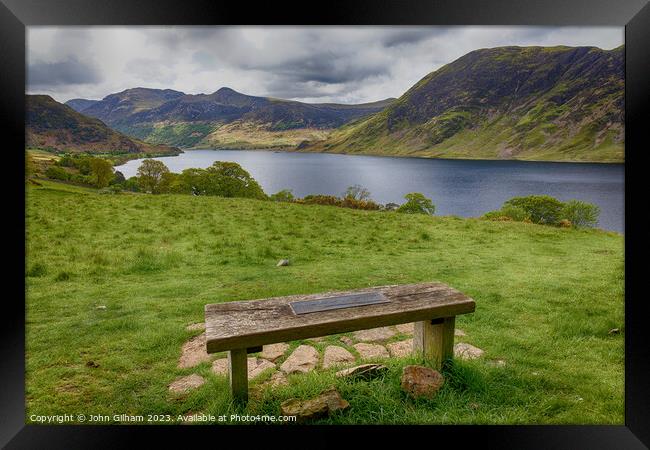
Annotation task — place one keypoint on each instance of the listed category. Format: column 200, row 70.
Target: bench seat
column 243, row 327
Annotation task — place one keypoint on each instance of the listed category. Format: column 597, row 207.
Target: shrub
column 390, row 207
column 81, row 179
column 118, row 178
column 320, row 199
column 564, row 223
column 542, row 209
column 357, row 192
column 57, row 173
column 349, row 202
column 284, row 195
column 580, row 214
column 417, row 203
column 132, row 184
column 507, row 212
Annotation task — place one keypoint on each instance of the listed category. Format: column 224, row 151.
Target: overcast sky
column 313, row 64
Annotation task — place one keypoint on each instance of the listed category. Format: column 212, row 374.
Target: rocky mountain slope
column 539, row 103
column 51, row 125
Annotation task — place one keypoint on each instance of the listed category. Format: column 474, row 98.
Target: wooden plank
column 339, row 302
column 238, row 374
column 434, row 340
column 246, row 324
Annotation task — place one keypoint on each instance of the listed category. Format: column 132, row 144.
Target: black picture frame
column 15, row 15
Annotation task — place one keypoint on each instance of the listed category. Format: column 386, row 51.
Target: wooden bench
column 245, row 326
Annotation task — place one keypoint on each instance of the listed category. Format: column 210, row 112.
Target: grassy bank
column 546, row 299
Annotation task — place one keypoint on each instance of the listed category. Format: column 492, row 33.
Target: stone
column 405, row 328
column 401, row 349
column 304, row 410
column 374, row 334
column 497, row 363
column 186, row 383
column 336, row 355
column 317, row 339
column 193, row 352
column 346, row 340
column 467, row 351
column 419, row 381
column 255, row 366
column 459, row 332
column 371, row 351
column 100, row 307
column 196, row 326
column 283, row 262
column 302, row 360
column 274, row 351
column 364, row 371
column 277, row 379
column 614, row 331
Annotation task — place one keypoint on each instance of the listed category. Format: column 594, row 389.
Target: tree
column 118, row 178
column 357, row 192
column 102, row 172
column 284, row 195
column 580, row 214
column 224, row 179
column 542, row 209
column 150, row 175
column 417, row 204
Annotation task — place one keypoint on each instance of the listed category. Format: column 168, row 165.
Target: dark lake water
column 461, row 187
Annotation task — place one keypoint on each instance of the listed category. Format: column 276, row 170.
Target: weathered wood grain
column 238, row 374
column 245, row 324
column 434, row 340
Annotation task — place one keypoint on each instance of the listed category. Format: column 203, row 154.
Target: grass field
column 546, row 300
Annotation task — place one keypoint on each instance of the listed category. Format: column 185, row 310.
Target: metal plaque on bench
column 342, row 301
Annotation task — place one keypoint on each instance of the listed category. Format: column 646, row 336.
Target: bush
column 417, row 204
column 580, row 214
column 57, row 173
column 320, row 199
column 542, row 209
column 81, row 179
column 131, row 184
column 390, row 207
column 284, row 195
column 118, row 178
column 357, row 192
column 507, row 212
column 349, row 202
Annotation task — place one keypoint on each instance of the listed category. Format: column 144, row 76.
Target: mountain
column 225, row 118
column 79, row 104
column 538, row 103
column 54, row 126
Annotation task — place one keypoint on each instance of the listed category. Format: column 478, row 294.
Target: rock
column 405, row 328
column 497, row 363
column 274, row 351
column 374, row 334
column 255, row 366
column 419, row 381
column 283, row 262
column 371, row 351
column 193, row 352
column 614, row 331
column 277, row 379
column 100, row 307
column 346, row 340
column 92, row 364
column 467, row 351
column 315, row 408
column 401, row 349
column 303, row 359
column 459, row 332
column 364, row 371
column 336, row 355
column 187, row 383
column 196, row 326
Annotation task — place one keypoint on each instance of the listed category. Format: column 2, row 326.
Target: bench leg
column 434, row 340
column 238, row 372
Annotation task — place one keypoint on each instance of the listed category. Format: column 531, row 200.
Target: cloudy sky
column 313, row 64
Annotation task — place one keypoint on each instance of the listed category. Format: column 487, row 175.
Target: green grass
column 546, row 299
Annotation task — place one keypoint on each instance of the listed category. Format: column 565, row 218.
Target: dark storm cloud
column 69, row 71
column 409, row 36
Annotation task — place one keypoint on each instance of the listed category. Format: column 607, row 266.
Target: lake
column 465, row 188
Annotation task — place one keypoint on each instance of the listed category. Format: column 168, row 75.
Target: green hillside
column 536, row 103
column 52, row 126
column 114, row 280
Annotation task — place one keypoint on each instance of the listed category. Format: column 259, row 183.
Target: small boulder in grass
column 283, row 262
column 316, row 408
column 419, row 381
column 364, row 371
